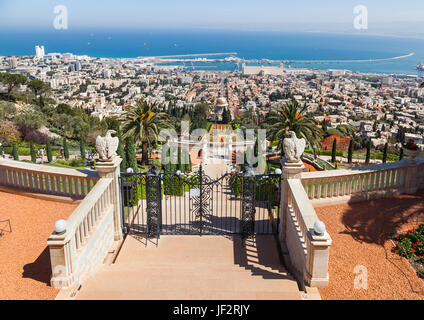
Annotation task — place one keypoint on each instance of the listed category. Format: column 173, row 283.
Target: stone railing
column 364, row 183
column 88, row 237
column 301, row 233
column 45, row 179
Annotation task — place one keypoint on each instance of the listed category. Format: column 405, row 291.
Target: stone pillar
column 62, row 259
column 411, row 182
column 291, row 170
column 111, row 169
column 230, row 151
column 316, row 269
column 205, row 153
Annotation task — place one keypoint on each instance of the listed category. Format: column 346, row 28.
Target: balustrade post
column 291, row 170
column 316, row 273
column 110, row 169
column 410, row 182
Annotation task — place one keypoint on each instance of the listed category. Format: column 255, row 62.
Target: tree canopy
column 291, row 117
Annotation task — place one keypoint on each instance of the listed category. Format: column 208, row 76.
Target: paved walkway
column 215, row 168
column 193, row 267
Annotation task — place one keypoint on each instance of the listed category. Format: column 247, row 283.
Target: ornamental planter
column 412, row 154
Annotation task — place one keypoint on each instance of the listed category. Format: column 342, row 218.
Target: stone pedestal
column 316, row 269
column 411, row 176
column 111, row 169
column 291, row 170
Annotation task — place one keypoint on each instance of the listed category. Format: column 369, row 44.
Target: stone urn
column 412, row 154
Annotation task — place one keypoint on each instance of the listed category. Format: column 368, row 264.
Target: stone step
column 136, row 284
column 189, row 295
column 194, row 268
column 205, row 269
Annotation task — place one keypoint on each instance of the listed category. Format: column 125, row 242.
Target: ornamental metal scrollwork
column 201, row 202
column 247, row 223
column 153, row 199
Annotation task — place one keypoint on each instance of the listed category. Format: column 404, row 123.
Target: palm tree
column 141, row 123
column 291, row 117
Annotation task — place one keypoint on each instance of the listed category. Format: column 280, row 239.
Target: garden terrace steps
column 194, row 267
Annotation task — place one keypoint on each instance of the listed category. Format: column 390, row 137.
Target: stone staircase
column 194, row 268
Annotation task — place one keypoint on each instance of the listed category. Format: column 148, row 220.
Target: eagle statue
column 106, row 146
column 293, row 147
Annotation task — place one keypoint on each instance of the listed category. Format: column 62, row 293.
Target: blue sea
column 248, row 45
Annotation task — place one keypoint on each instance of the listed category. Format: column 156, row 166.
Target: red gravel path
column 360, row 233
column 24, row 256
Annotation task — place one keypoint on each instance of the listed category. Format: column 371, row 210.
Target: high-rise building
column 39, row 52
column 13, row 63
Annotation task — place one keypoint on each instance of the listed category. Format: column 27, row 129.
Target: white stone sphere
column 60, row 226
column 319, row 228
column 278, row 171
column 130, row 170
column 178, row 172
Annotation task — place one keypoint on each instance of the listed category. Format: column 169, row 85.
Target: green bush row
column 25, row 151
column 265, row 187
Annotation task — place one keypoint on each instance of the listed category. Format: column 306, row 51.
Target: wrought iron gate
column 157, row 203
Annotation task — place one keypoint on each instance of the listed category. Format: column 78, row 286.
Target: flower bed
column 410, row 145
column 410, row 245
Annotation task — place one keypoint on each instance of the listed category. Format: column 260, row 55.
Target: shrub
column 411, row 243
column 173, row 185
column 15, row 152
column 65, row 149
column 265, row 187
column 82, row 148
column 32, row 151
column 49, row 152
column 77, row 162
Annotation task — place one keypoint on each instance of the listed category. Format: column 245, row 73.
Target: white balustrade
column 308, row 252
column 88, row 237
column 363, row 183
column 45, row 179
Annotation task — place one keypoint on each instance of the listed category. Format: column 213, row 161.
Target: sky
column 391, row 17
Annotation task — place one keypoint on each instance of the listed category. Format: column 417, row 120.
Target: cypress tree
column 121, row 153
column 385, row 153
column 65, row 149
column 256, row 151
column 350, row 152
column 130, row 155
column 15, row 152
column 179, row 164
column 32, row 152
column 49, row 151
column 334, row 150
column 168, row 166
column 401, row 154
column 188, row 165
column 368, row 156
column 82, row 149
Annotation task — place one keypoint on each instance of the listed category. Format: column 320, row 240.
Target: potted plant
column 411, row 149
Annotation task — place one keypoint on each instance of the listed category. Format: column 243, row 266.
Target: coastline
column 324, row 47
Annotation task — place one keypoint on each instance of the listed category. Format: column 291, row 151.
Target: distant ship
column 420, row 66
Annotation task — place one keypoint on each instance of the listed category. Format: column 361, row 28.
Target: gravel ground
column 24, row 256
column 360, row 233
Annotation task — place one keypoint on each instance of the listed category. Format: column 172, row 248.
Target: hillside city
column 366, row 107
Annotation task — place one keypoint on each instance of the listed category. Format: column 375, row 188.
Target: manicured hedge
column 265, row 187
